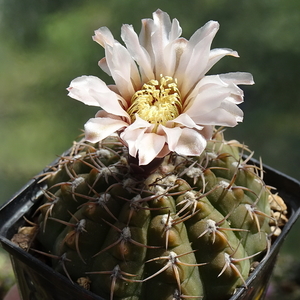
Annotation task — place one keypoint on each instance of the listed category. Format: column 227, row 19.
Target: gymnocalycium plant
column 154, row 203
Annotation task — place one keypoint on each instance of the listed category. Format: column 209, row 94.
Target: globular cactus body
column 190, row 228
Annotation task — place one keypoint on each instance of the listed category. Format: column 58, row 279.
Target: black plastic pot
column 37, row 281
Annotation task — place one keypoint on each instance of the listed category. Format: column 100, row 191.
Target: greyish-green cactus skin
column 189, row 229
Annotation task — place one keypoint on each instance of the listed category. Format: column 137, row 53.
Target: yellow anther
column 157, row 102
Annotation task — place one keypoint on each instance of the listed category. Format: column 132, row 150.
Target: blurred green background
column 44, row 44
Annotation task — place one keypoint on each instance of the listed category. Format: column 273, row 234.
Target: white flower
column 162, row 100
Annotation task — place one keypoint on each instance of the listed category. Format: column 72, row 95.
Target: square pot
column 38, row 281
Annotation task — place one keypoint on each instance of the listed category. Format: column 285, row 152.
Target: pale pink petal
column 195, row 57
column 122, row 66
column 145, row 37
column 103, row 65
column 160, row 39
column 149, row 147
column 172, row 54
column 197, row 66
column 206, row 101
column 237, row 78
column 207, row 95
column 134, row 133
column 184, row 120
column 119, row 69
column 233, row 110
column 162, row 23
column 175, row 31
column 104, row 114
column 216, row 54
column 211, row 27
column 164, row 151
column 235, row 98
column 190, row 142
column 79, row 89
column 155, row 36
column 172, row 135
column 114, row 88
column 103, row 36
column 139, row 54
column 132, row 139
column 93, row 91
column 165, row 42
column 140, row 123
column 207, row 131
column 206, row 81
column 216, row 102
column 212, row 90
column 97, row 129
column 227, row 114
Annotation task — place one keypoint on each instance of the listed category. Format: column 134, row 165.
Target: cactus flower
column 162, row 99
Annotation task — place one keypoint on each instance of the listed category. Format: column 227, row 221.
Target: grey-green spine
column 191, row 227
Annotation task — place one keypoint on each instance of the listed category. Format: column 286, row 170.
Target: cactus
column 186, row 227
column 153, row 203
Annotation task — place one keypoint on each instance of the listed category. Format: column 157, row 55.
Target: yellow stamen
column 157, row 102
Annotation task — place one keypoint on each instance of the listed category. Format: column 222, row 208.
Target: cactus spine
column 191, row 228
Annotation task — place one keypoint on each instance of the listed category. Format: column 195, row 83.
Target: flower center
column 157, row 102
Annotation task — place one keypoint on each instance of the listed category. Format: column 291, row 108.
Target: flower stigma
column 157, row 102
